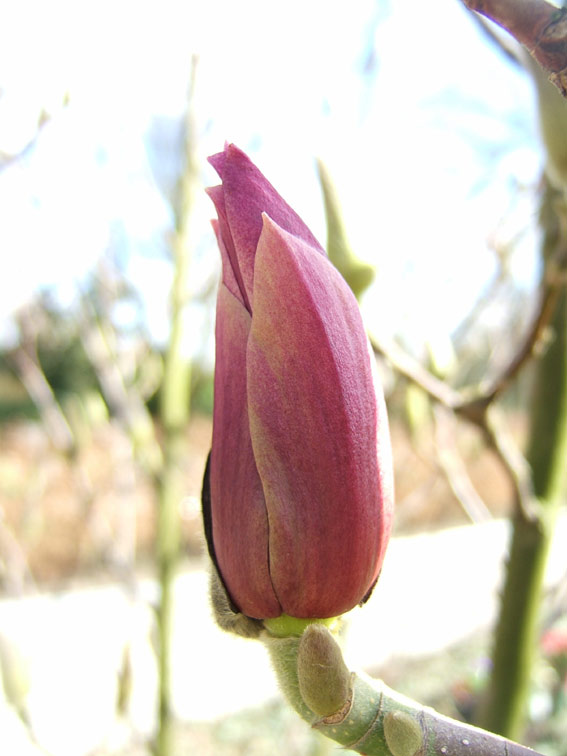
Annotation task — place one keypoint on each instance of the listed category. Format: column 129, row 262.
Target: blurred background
column 429, row 132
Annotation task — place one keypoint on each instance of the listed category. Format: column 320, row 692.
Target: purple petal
column 316, row 419
column 240, row 525
column 228, row 276
column 247, row 194
column 229, row 256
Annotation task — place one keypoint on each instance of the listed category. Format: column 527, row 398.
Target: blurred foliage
column 70, row 372
column 202, row 390
column 15, row 402
column 63, row 359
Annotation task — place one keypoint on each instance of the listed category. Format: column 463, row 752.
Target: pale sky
column 428, row 148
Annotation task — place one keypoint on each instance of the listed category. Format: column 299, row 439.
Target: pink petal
column 228, row 275
column 229, row 256
column 247, row 193
column 240, row 526
column 316, row 420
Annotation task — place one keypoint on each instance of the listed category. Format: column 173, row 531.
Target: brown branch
column 538, row 25
column 508, row 47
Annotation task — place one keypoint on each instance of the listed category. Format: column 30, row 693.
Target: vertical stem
column 516, row 636
column 174, row 415
column 167, row 555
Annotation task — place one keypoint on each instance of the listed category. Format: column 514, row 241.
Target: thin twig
column 454, row 469
column 475, row 404
column 44, row 118
column 476, row 411
column 26, row 361
column 406, row 365
column 552, row 283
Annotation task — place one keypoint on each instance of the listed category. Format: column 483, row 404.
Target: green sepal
column 285, row 626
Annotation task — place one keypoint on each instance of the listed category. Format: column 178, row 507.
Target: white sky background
column 427, row 148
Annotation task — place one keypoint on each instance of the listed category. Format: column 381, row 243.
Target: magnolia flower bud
column 301, row 493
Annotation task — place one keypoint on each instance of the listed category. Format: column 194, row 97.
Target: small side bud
column 358, row 274
column 324, row 679
column 403, row 733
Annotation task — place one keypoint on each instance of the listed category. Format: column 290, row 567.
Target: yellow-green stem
column 174, row 416
column 375, row 720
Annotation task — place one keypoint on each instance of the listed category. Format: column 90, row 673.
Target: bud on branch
column 370, row 718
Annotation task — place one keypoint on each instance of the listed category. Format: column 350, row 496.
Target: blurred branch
column 475, row 404
column 454, row 469
column 471, row 402
column 123, row 401
column 538, row 25
column 550, row 287
column 26, row 361
column 7, row 159
column 16, row 572
column 406, row 365
column 513, row 463
column 502, row 254
column 174, row 414
column 476, row 411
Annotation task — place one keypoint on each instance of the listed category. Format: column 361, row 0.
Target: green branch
column 174, row 415
column 365, row 715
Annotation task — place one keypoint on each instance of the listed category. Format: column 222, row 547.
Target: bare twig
column 124, row 402
column 475, row 404
column 553, row 281
column 406, row 365
column 477, row 411
column 44, row 117
column 26, row 361
column 514, row 464
column 471, row 403
column 454, row 469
